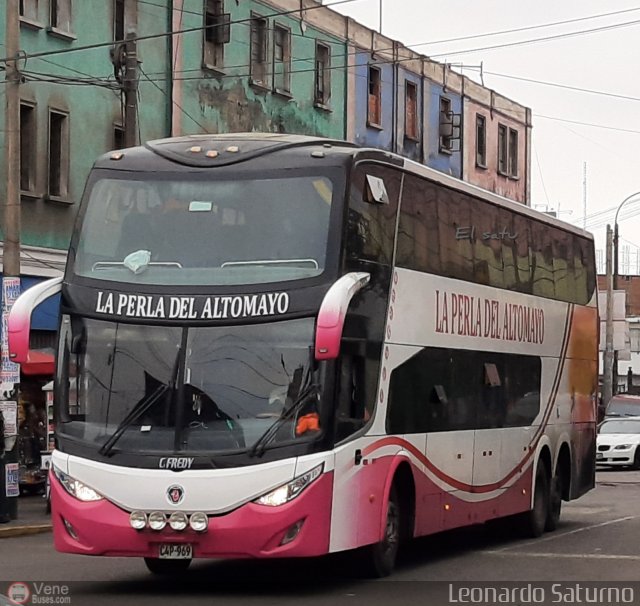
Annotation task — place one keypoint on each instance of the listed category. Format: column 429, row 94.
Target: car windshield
column 124, row 384
column 167, row 231
column 623, row 407
column 620, row 426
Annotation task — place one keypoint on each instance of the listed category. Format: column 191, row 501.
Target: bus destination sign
column 128, row 305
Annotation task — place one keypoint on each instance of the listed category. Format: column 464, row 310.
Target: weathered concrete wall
column 92, row 109
column 496, row 110
column 224, row 100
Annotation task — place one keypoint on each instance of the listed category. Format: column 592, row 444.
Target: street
column 597, row 540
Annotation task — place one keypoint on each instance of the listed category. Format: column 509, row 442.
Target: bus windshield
column 172, row 231
column 153, row 389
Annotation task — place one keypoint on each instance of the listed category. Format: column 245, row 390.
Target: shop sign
column 9, row 371
column 12, row 480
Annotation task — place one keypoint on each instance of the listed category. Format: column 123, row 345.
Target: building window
column 29, row 9
column 27, row 147
column 118, row 136
column 513, row 153
column 60, row 18
column 375, row 96
column 282, row 58
column 411, row 110
column 118, row 20
column 446, row 125
column 217, row 32
column 58, row 154
column 503, row 147
column 259, row 45
column 323, row 74
column 481, row 141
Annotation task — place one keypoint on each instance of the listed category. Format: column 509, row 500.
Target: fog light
column 70, row 529
column 157, row 520
column 292, row 533
column 178, row 520
column 138, row 519
column 199, row 521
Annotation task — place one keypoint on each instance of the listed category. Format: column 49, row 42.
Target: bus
column 283, row 346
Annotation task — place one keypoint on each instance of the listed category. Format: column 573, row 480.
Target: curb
column 20, row 531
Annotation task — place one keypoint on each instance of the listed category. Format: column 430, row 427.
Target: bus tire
column 556, row 489
column 379, row 560
column 166, row 568
column 536, row 517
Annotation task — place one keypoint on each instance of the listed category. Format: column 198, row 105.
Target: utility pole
column 130, row 87
column 10, row 371
column 607, row 375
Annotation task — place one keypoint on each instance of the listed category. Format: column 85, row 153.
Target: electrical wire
column 64, row 51
column 543, row 39
column 184, row 111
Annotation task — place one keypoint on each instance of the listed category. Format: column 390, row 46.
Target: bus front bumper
column 299, row 528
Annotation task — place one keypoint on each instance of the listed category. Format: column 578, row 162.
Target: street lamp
column 615, row 281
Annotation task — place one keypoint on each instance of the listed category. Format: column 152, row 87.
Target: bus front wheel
column 166, row 568
column 379, row 560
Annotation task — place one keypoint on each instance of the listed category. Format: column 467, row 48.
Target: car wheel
column 166, row 568
column 636, row 459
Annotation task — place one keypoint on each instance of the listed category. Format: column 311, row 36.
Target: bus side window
column 371, row 225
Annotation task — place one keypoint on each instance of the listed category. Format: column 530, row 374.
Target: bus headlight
column 76, row 488
column 287, row 492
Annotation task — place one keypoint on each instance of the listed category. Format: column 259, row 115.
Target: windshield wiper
column 131, row 418
column 261, row 443
column 139, row 410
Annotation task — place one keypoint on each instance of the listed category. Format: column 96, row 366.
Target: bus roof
column 214, row 150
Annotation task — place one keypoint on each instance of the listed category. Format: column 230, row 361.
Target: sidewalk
column 32, row 518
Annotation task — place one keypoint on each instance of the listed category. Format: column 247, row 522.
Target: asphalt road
column 598, row 540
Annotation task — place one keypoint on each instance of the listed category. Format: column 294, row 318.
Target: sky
column 571, row 127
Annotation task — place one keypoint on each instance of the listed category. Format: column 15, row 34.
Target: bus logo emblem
column 175, row 494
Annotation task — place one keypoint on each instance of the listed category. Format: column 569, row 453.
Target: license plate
column 175, row 551
column 599, row 455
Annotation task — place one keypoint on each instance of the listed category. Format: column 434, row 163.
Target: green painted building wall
column 82, row 85
column 224, row 99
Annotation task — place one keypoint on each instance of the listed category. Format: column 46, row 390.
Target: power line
column 621, row 130
column 558, row 85
column 522, row 29
column 184, row 111
column 74, row 49
column 543, row 39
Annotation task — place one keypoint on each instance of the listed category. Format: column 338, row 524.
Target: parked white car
column 618, row 442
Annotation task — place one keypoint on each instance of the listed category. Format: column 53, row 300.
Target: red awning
column 38, row 363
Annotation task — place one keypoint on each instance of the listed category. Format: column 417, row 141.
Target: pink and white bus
column 279, row 346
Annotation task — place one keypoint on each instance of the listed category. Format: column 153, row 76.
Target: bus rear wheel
column 555, row 501
column 379, row 560
column 166, row 568
column 536, row 518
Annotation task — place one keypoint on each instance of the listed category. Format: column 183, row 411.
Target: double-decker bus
column 281, row 346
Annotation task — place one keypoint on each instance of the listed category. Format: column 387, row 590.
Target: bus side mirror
column 333, row 312
column 19, row 322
